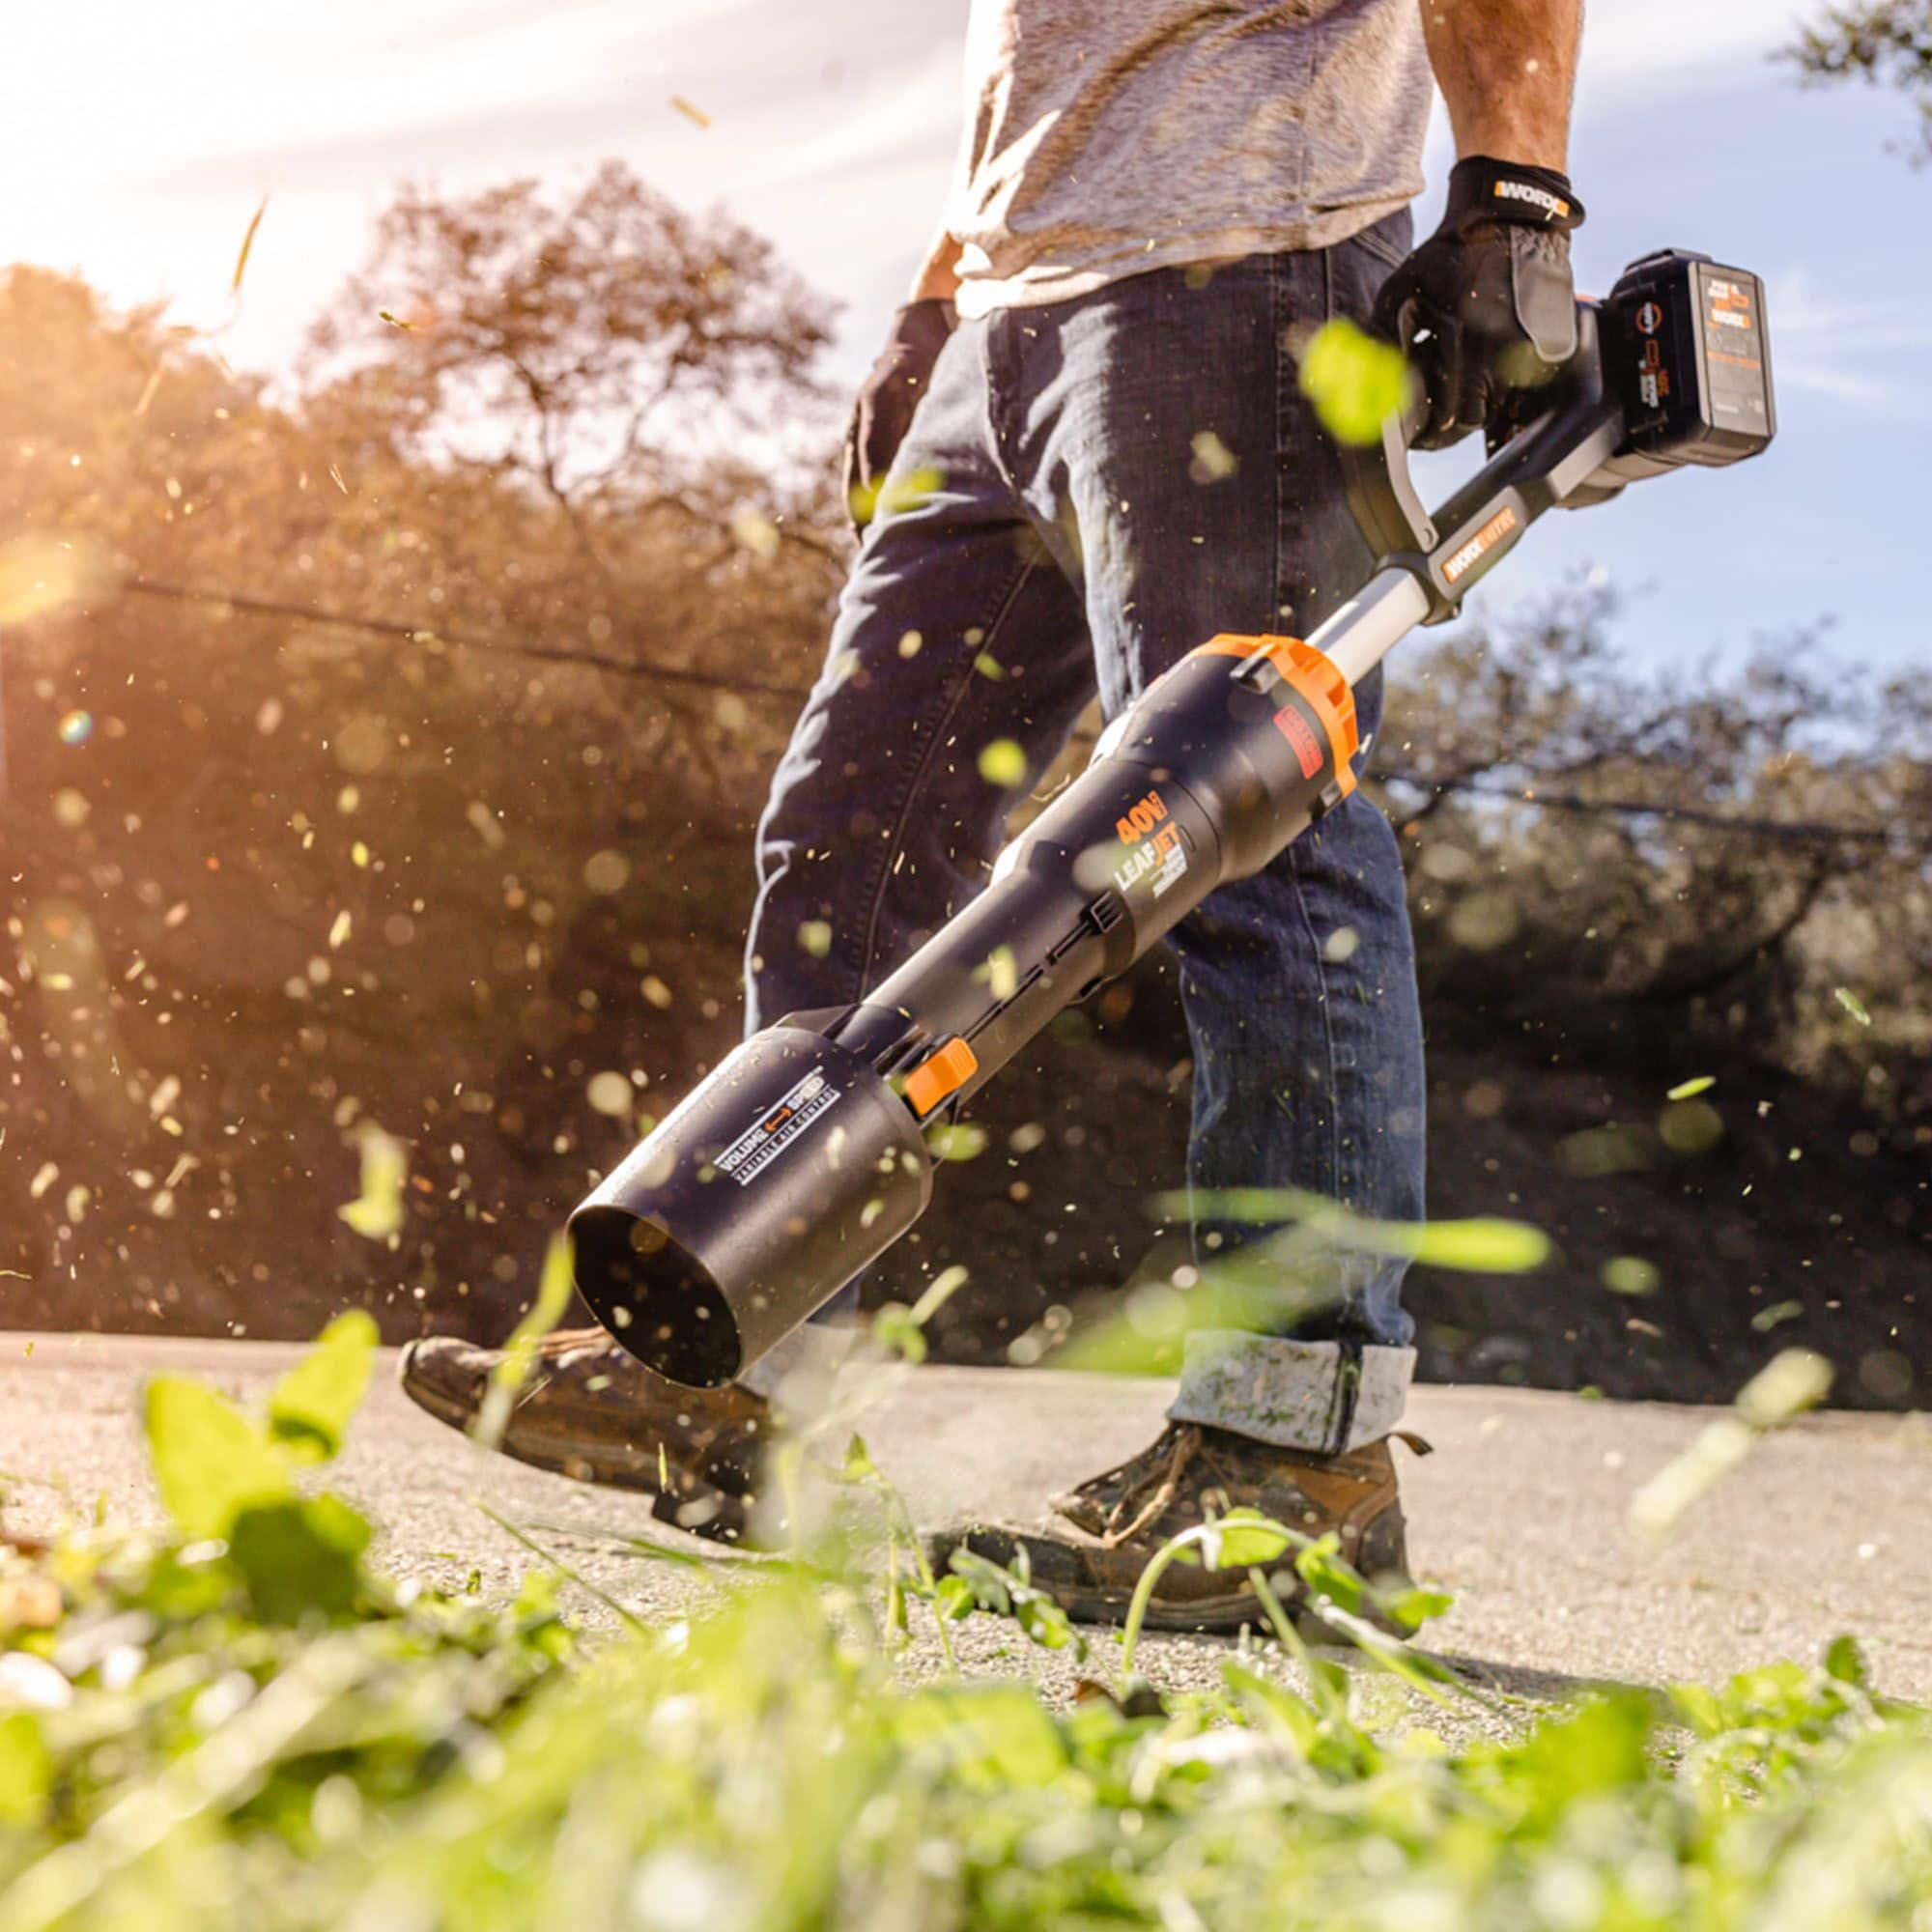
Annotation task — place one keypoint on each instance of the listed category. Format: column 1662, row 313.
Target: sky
column 137, row 141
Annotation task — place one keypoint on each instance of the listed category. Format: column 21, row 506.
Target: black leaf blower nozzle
column 802, row 1157
column 794, row 1163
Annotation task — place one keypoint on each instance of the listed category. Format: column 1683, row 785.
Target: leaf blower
column 803, row 1156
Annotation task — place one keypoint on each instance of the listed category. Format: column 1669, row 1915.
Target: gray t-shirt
column 1105, row 137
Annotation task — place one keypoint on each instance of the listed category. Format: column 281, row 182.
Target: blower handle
column 1544, row 452
column 1388, row 508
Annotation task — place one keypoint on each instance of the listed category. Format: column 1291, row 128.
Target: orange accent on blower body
column 1318, row 682
column 1141, row 819
column 940, row 1075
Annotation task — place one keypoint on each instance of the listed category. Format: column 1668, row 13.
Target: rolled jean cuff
column 1315, row 1396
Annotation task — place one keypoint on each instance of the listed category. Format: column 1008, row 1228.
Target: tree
column 271, row 876
column 613, row 350
column 1588, row 841
column 1886, row 42
column 644, row 374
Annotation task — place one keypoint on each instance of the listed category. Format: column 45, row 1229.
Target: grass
column 242, row 1725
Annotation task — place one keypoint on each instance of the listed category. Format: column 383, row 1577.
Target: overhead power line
column 468, row 640
column 1811, row 831
column 1797, row 831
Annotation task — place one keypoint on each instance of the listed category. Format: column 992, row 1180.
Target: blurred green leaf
column 376, row 1211
column 1785, row 1388
column 1414, row 1608
column 1699, row 1707
column 1629, row 1274
column 209, row 1460
column 1321, row 1568
column 1600, row 1748
column 1353, row 380
column 990, row 1584
column 311, row 1406
column 1690, row 1126
column 1852, row 1004
column 895, row 1331
column 957, row 1140
column 26, row 1770
column 1003, row 763
column 300, row 1559
column 1483, row 1243
column 1243, row 1537
column 507, row 1378
column 1044, row 1621
column 1146, row 1338
column 1846, row 1661
column 892, row 495
column 952, row 1598
column 938, row 1291
column 1001, row 1729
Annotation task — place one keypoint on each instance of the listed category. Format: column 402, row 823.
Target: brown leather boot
column 591, row 1411
column 1089, row 1555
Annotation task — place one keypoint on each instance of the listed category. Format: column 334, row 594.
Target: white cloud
column 1671, row 45
column 1865, row 353
column 832, row 129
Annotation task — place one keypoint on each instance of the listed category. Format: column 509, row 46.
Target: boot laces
column 1159, row 1481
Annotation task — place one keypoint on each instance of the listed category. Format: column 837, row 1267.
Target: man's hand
column 1487, row 303
column 1489, row 292
column 888, row 398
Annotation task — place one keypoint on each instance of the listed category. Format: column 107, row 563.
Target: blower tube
column 802, row 1157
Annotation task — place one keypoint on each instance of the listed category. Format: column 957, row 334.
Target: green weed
column 243, row 1724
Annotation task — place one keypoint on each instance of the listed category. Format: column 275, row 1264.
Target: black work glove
column 1487, row 303
column 888, row 398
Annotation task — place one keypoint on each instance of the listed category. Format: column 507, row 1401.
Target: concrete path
column 1521, row 1512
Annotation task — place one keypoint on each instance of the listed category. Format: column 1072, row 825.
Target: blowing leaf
column 299, row 1558
column 310, row 1408
column 377, row 1213
column 1353, row 381
column 1483, row 1243
column 1787, row 1386
column 211, row 1462
column 508, row 1377
column 248, row 244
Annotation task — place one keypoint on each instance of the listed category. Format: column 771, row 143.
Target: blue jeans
column 1116, row 477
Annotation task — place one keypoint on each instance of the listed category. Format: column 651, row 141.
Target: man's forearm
column 1506, row 68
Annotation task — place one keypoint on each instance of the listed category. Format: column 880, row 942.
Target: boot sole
column 1097, row 1604
column 630, row 1471
column 1225, row 1617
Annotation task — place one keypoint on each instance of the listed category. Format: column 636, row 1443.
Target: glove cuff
column 1481, row 188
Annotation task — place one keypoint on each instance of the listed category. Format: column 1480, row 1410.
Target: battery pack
column 1687, row 352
